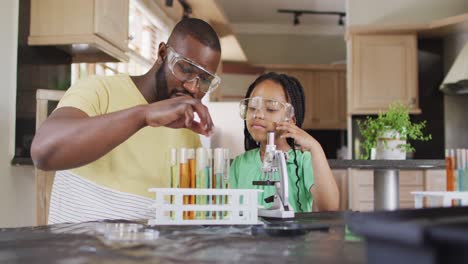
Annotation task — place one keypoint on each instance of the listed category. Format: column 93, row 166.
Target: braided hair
column 295, row 96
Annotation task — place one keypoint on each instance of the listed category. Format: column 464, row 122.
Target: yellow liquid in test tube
column 174, row 175
column 192, row 184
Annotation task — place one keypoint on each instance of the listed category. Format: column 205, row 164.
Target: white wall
column 401, row 11
column 234, row 86
column 293, row 49
column 229, row 127
column 16, row 183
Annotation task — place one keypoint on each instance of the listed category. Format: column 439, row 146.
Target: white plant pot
column 389, row 146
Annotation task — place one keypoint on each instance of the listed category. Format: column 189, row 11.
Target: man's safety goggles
column 186, row 70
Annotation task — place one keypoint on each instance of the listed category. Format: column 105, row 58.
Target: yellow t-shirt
column 142, row 161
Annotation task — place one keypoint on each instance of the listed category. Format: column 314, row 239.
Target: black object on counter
column 409, row 164
column 434, row 235
column 287, row 229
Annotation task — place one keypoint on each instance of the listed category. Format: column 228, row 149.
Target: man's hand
column 179, row 112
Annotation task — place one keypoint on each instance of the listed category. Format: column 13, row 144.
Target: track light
column 187, row 9
column 341, row 21
column 298, row 13
column 296, row 18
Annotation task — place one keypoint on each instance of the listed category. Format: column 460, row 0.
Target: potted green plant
column 389, row 132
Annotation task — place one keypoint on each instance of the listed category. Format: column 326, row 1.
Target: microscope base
column 275, row 213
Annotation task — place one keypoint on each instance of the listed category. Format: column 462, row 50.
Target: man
column 109, row 137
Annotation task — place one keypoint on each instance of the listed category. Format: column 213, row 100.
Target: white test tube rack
column 433, row 198
column 245, row 213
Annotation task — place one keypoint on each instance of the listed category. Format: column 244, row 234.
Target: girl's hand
column 302, row 139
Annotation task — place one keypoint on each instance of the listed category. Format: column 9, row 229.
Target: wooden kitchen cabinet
column 90, row 30
column 384, row 71
column 329, row 100
column 325, row 95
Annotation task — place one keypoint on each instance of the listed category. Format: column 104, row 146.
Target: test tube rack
column 241, row 207
column 434, row 197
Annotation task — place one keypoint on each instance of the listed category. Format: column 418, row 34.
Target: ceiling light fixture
column 340, row 20
column 296, row 18
column 187, row 9
column 298, row 13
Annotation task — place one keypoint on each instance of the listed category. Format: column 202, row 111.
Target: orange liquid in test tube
column 184, row 181
column 449, row 167
column 449, row 171
column 192, row 184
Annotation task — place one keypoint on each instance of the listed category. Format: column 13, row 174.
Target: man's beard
column 161, row 90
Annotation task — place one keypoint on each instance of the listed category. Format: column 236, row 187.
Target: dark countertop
column 410, row 164
column 78, row 243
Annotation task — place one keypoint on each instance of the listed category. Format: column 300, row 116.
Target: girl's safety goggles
column 268, row 109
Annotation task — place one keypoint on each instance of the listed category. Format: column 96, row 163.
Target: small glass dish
column 126, row 232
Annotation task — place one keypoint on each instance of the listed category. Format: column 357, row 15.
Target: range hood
column 456, row 80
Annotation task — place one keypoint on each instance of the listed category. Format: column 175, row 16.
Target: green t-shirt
column 247, row 168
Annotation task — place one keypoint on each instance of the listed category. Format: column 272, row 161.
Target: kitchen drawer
column 405, row 192
column 435, row 180
column 365, row 206
column 406, row 205
column 364, row 176
column 412, row 177
column 366, row 193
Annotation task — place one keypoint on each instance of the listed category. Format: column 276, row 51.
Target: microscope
column 275, row 161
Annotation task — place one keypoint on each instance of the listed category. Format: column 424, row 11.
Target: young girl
column 275, row 102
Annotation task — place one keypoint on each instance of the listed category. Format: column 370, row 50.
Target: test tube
column 174, row 174
column 227, row 165
column 219, row 169
column 454, row 169
column 464, row 161
column 466, row 166
column 209, row 177
column 201, row 178
column 459, row 170
column 449, row 170
column 184, row 179
column 192, row 182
